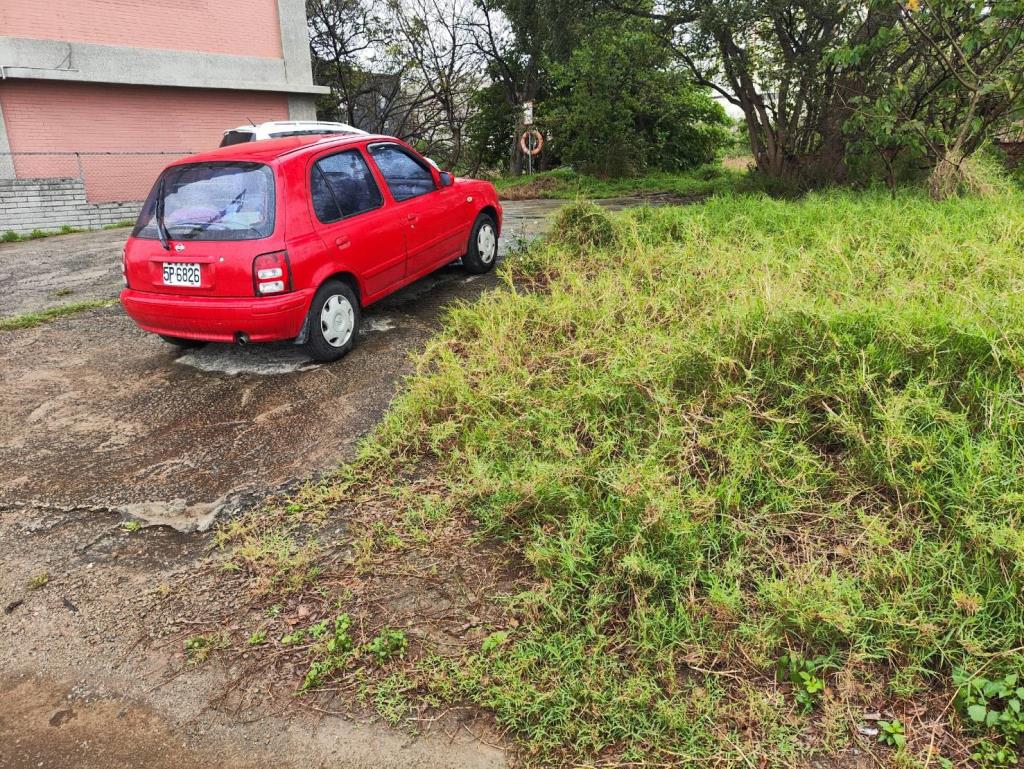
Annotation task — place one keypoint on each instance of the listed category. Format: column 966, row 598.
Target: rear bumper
column 211, row 319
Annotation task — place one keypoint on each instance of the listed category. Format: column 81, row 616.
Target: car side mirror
column 447, row 179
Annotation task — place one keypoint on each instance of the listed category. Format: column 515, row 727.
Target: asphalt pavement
column 96, row 414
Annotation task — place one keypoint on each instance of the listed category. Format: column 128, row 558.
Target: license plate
column 181, row 274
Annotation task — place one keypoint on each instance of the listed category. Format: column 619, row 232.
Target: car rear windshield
column 211, row 201
column 236, row 137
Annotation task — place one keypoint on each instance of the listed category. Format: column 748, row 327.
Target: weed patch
column 331, row 651
column 33, row 319
column 756, row 465
column 387, row 645
column 199, row 648
column 993, row 708
column 741, row 432
column 10, row 236
column 390, row 700
column 583, row 224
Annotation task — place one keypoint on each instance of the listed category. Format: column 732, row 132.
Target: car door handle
column 414, row 217
column 342, row 243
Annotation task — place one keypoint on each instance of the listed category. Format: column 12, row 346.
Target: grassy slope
column 744, row 431
column 564, row 183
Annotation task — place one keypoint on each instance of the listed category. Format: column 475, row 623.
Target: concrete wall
column 49, row 204
column 249, row 28
column 225, row 44
column 300, row 107
column 34, row 59
column 142, row 76
column 294, row 28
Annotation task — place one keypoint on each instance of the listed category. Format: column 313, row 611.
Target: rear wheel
column 184, row 344
column 334, row 320
column 482, row 250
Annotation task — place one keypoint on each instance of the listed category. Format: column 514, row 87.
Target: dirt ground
column 68, row 268
column 78, row 691
column 101, row 424
column 96, row 415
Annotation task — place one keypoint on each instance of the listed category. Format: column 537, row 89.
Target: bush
column 981, row 174
column 1016, row 172
column 583, row 224
column 621, row 109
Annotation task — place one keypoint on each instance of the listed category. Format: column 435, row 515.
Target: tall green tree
column 940, row 80
column 491, row 130
column 621, row 107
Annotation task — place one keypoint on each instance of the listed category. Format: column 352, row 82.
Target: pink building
column 91, row 90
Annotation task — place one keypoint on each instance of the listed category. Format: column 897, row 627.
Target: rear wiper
column 204, row 226
column 161, row 230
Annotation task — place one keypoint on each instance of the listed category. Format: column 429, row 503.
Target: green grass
column 32, row 319
column 746, row 430
column 10, row 236
column 564, row 183
column 761, row 463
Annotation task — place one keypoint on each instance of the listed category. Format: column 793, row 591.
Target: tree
column 520, row 39
column 953, row 72
column 491, row 129
column 351, row 54
column 434, row 37
column 814, row 78
column 621, row 108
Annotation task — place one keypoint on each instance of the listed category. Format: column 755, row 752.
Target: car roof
column 265, row 150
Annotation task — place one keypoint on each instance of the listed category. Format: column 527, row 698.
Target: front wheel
column 482, row 251
column 333, row 322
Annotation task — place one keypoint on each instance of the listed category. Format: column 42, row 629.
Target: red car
column 291, row 238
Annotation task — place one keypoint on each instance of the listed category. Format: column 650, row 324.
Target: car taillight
column 271, row 273
column 124, row 267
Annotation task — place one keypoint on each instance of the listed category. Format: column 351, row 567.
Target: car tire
column 333, row 322
column 482, row 250
column 182, row 343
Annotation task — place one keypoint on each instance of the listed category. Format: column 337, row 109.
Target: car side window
column 342, row 186
column 406, row 176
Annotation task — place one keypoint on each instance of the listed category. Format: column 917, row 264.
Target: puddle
column 177, row 513
column 380, row 324
column 260, row 360
column 38, row 517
